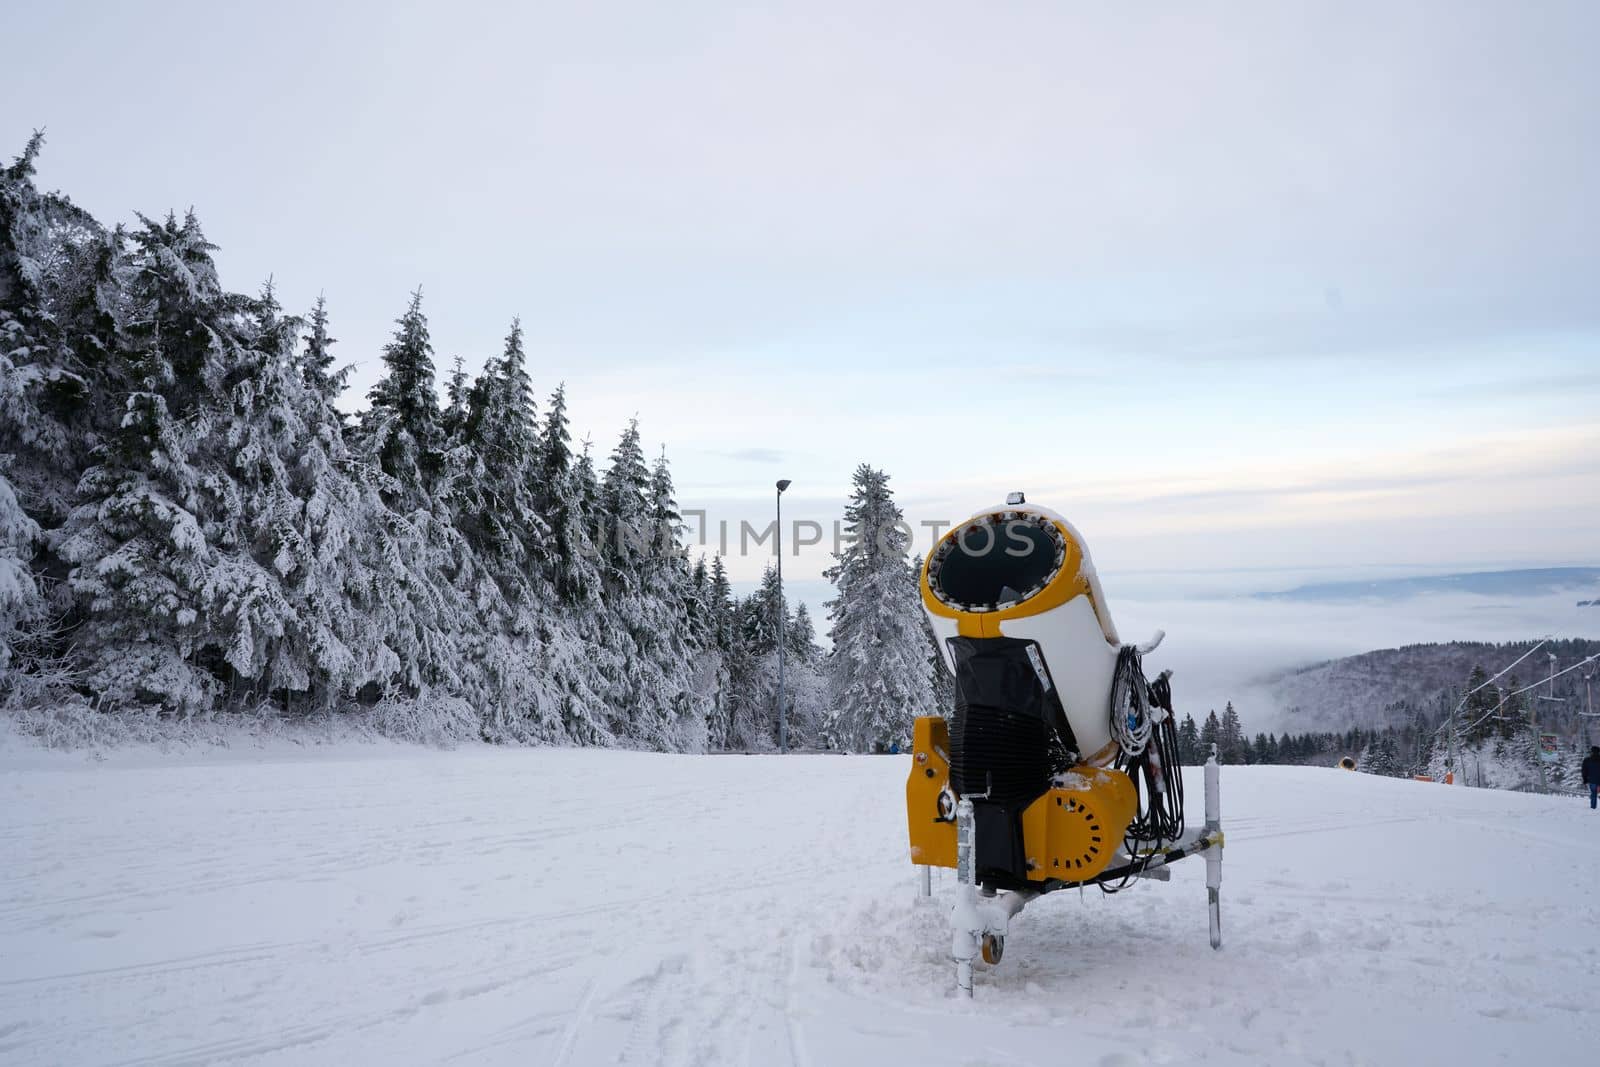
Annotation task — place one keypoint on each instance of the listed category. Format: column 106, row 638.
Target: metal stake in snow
column 1214, row 854
column 981, row 913
column 964, row 917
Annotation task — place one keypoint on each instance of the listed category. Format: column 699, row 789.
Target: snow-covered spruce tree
column 1512, row 712
column 748, row 706
column 302, row 525
column 577, row 660
column 20, row 602
column 160, row 487
column 1231, row 740
column 259, row 434
column 719, row 598
column 627, row 531
column 1420, row 752
column 622, row 531
column 333, row 538
column 25, row 358
column 616, row 513
column 944, row 683
column 806, row 681
column 1476, row 719
column 496, row 463
column 800, row 635
column 586, row 493
column 85, row 291
column 453, row 420
column 563, row 499
column 425, row 590
column 701, row 625
column 659, row 684
column 673, row 636
column 209, row 541
column 402, row 428
column 498, row 509
column 1380, row 756
column 59, row 272
column 879, row 675
column 316, row 360
column 1189, row 742
column 718, row 604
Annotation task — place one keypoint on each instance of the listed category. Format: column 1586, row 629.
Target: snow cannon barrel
column 1021, row 621
column 1019, row 615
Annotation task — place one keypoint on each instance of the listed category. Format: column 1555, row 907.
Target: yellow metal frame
column 1073, row 831
column 1070, row 834
column 933, row 842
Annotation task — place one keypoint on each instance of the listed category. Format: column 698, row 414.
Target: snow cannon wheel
column 994, row 947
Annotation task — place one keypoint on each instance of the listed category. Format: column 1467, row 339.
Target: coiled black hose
column 1143, row 722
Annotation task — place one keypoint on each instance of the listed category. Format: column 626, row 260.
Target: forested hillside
column 190, row 526
column 1464, row 708
column 1383, row 688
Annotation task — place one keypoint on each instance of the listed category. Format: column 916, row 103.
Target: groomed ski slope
column 396, row 906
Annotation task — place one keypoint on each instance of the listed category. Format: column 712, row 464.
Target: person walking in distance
column 1591, row 774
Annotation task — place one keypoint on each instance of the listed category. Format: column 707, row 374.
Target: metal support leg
column 924, row 881
column 964, row 922
column 1214, row 853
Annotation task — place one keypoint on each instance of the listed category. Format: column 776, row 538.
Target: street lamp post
column 783, row 716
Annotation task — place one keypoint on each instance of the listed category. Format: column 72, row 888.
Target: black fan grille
column 1006, row 754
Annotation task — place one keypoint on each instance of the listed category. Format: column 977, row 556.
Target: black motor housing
column 1009, row 735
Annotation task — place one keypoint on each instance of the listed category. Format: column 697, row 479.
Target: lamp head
column 783, row 483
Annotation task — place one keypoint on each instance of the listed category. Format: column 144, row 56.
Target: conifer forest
column 192, row 527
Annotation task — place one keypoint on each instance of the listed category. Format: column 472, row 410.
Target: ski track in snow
column 580, row 907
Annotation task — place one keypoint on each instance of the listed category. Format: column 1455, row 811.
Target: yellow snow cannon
column 1347, row 764
column 1058, row 765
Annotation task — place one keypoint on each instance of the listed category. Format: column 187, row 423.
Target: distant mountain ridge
column 1527, row 582
column 1382, row 688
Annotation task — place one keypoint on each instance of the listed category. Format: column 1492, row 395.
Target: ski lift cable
column 1490, row 681
column 1506, row 669
column 1550, row 678
column 1542, row 681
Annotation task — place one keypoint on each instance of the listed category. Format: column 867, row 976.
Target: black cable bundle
column 1160, row 765
column 1154, row 766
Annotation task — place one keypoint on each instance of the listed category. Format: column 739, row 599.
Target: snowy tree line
column 1359, row 690
column 1236, row 747
column 1396, row 751
column 1495, row 741
column 190, row 525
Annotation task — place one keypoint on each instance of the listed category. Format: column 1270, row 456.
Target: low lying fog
column 1222, row 640
column 1220, row 647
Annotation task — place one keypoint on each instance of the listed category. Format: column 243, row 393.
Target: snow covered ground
column 388, row 905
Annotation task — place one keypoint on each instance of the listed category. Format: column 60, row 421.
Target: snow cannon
column 1058, row 765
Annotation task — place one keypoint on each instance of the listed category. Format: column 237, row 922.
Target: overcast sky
column 1231, row 285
